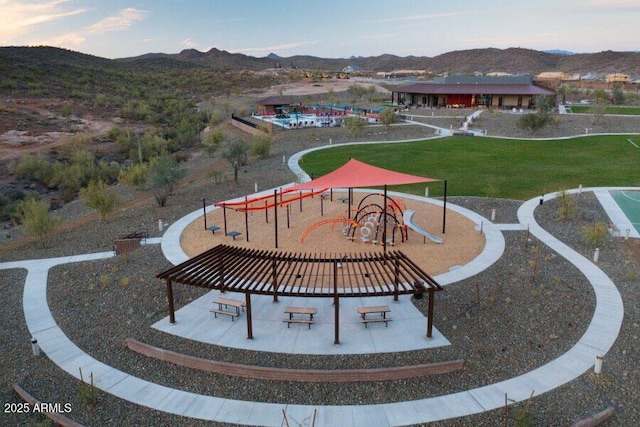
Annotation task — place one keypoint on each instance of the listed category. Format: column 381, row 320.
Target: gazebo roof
column 235, row 269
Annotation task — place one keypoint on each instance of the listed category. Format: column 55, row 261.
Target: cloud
column 274, row 48
column 125, row 18
column 411, row 18
column 18, row 17
column 189, row 44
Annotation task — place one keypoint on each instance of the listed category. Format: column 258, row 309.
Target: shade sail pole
column 275, row 214
column 246, row 218
column 384, row 221
column 336, row 303
column 204, row 213
column 444, row 208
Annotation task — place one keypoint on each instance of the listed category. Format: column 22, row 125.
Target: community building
column 471, row 91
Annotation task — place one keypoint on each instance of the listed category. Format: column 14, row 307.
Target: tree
column 97, row 195
column 388, row 117
column 354, row 125
column 617, row 94
column 261, row 146
column 599, row 99
column 236, row 153
column 37, row 221
column 164, row 174
column 533, row 122
column 544, row 103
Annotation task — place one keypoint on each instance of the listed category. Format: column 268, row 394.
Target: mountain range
column 511, row 60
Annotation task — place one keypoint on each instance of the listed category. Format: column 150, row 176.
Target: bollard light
column 626, row 234
column 598, row 366
column 493, row 214
column 596, row 255
column 35, row 347
column 160, row 225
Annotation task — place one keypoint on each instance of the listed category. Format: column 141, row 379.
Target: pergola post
column 336, row 303
column 172, row 313
column 247, row 296
column 396, row 280
column 274, row 281
column 432, row 297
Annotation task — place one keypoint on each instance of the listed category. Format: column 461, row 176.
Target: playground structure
column 374, row 223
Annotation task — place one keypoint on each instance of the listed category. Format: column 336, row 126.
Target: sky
column 323, row 28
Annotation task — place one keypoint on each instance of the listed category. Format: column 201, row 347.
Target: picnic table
column 382, row 310
column 302, row 311
column 226, row 303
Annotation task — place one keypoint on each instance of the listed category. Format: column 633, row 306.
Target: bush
column 354, row 125
column 37, row 221
column 97, row 195
column 261, row 146
column 533, row 122
column 568, row 206
column 135, row 175
column 34, row 167
column 596, row 234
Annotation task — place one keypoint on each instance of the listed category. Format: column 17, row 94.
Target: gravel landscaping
column 525, row 310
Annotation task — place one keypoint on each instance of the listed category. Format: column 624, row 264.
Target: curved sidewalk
column 597, row 340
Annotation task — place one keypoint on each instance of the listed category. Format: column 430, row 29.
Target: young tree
column 261, row 146
column 37, row 221
column 534, row 122
column 97, row 195
column 236, row 153
column 354, row 125
column 164, row 174
column 388, row 117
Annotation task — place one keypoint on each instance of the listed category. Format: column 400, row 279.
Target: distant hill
column 512, row 60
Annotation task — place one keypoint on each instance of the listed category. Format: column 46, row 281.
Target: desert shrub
column 354, row 125
column 34, row 167
column 261, row 146
column 213, row 139
column 135, row 175
column 567, row 207
column 595, row 234
column 36, row 220
column 97, row 195
column 388, row 117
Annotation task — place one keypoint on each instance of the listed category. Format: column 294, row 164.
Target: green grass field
column 627, row 111
column 517, row 169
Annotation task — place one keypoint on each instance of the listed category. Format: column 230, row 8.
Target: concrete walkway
column 597, row 340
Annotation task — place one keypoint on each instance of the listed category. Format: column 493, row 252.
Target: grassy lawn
column 629, row 111
column 517, row 169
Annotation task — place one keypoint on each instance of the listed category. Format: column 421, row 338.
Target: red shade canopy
column 354, row 174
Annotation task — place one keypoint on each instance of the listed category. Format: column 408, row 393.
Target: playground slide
column 407, row 218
